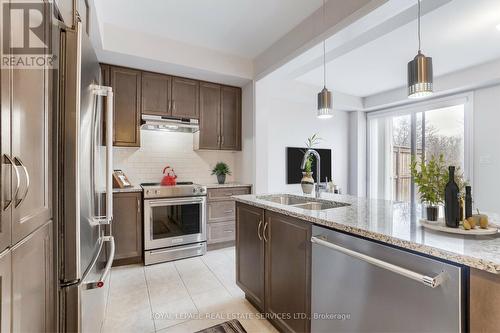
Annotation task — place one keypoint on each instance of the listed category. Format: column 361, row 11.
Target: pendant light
column 420, row 76
column 325, row 110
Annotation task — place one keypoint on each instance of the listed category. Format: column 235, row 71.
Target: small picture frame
column 120, row 180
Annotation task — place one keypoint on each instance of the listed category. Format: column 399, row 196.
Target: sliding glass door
column 422, row 132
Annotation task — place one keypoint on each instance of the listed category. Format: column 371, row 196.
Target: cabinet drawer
column 221, row 211
column 226, row 193
column 221, row 232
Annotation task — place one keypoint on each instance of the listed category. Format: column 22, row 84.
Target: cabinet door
column 185, row 98
column 155, row 94
column 127, row 227
column 230, row 118
column 33, row 283
column 105, row 73
column 288, row 268
column 209, row 137
column 484, row 301
column 126, row 85
column 31, row 149
column 5, row 290
column 250, row 253
column 6, row 166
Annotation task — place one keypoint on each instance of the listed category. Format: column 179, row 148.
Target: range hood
column 165, row 123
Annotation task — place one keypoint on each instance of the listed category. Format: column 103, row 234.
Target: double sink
column 302, row 202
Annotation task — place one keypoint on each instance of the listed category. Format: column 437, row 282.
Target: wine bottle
column 468, row 202
column 451, row 201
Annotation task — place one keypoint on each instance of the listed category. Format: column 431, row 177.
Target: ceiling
column 457, row 35
column 244, row 27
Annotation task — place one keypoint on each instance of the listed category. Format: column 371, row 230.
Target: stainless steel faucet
column 318, row 172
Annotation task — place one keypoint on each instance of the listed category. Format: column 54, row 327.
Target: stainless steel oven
column 174, row 228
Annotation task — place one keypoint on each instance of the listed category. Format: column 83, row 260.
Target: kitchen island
column 286, row 232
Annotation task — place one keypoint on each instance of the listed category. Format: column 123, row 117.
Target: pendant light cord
column 324, row 48
column 419, row 41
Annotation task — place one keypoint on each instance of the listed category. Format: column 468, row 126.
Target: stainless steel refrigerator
column 86, row 247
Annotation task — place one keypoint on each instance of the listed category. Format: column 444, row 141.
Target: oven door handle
column 171, row 202
column 192, row 247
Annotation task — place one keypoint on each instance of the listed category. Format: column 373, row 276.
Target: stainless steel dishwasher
column 362, row 286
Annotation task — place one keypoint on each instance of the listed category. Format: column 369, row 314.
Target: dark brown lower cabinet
column 288, row 272
column 250, row 253
column 484, row 301
column 127, row 227
column 273, row 266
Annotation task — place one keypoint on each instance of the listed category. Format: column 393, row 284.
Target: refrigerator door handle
column 108, row 93
column 107, row 268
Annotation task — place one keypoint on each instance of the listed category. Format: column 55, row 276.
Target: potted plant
column 307, row 181
column 221, row 169
column 430, row 177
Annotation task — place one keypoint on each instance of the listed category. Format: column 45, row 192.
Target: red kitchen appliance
column 169, row 178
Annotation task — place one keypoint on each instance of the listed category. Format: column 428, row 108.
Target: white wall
column 158, row 149
column 487, row 149
column 286, row 116
column 357, row 153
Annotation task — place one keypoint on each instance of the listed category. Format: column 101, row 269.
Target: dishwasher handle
column 427, row 281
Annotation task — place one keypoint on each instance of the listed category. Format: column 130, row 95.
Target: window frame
column 465, row 99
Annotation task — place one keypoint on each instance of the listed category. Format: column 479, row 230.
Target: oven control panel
column 158, row 191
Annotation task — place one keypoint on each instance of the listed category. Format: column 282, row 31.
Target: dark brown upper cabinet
column 185, row 98
column 220, row 117
column 217, row 107
column 210, row 100
column 156, row 94
column 230, row 118
column 126, row 84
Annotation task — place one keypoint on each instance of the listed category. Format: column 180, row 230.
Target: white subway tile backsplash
column 159, row 149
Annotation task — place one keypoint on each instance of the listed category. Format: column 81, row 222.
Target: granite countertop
column 135, row 188
column 396, row 224
column 225, row 185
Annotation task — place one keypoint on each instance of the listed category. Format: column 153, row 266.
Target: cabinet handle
column 264, row 232
column 228, row 231
column 169, row 105
column 173, row 105
column 138, row 206
column 222, row 139
column 258, row 230
column 228, row 211
column 18, row 181
column 21, row 164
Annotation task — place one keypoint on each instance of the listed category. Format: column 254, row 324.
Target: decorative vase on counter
column 452, row 201
column 221, row 179
column 307, row 182
column 432, row 213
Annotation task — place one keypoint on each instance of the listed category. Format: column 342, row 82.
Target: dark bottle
column 468, row 202
column 451, row 201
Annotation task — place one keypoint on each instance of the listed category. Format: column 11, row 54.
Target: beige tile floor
column 181, row 296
